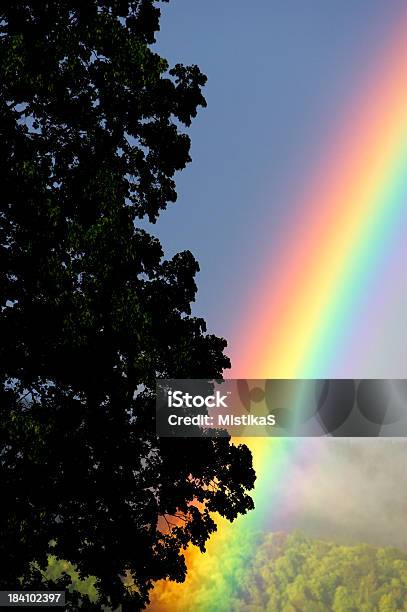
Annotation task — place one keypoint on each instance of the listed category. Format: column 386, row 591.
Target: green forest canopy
column 294, row 573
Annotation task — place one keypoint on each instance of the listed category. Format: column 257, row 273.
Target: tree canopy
column 91, row 313
column 294, row 573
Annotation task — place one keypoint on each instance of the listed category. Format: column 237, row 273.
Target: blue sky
column 279, row 74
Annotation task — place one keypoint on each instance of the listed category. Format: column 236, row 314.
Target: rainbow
column 351, row 213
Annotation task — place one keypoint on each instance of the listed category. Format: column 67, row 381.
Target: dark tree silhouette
column 90, row 313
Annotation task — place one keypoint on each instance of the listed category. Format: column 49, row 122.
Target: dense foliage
column 293, row 573
column 90, row 312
